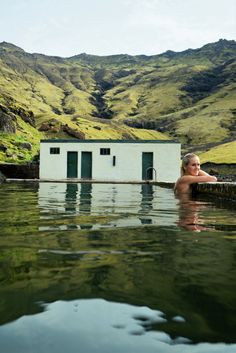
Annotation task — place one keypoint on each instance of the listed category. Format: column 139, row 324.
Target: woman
column 190, row 174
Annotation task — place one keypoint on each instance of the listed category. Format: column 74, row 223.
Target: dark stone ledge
column 222, row 189
column 20, row 171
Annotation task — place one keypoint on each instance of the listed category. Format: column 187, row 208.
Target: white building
column 110, row 160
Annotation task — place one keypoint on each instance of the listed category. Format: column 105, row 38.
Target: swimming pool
column 115, row 268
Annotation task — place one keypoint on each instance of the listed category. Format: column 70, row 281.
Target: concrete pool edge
column 222, row 189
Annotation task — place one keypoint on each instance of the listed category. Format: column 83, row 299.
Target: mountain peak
column 221, row 44
column 10, row 47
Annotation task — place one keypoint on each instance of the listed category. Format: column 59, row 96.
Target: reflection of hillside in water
column 105, row 205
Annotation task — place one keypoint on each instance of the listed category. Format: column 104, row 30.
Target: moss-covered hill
column 189, row 96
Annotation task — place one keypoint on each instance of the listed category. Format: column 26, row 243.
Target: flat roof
column 105, row 141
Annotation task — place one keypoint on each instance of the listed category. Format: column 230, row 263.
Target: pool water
column 115, row 268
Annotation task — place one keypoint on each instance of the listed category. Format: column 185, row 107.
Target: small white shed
column 110, row 160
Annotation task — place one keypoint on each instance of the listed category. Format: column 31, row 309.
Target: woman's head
column 190, row 164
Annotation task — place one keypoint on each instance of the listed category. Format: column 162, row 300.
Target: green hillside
column 225, row 153
column 188, row 96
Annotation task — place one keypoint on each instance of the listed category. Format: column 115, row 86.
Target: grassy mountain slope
column 221, row 154
column 189, row 96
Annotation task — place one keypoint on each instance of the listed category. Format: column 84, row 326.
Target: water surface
column 115, row 268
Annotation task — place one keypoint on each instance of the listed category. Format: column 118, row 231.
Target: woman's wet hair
column 185, row 161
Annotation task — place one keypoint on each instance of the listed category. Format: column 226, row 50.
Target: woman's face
column 193, row 167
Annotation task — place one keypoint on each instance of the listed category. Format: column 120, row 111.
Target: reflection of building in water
column 117, row 205
column 52, row 197
column 85, row 198
column 71, row 197
column 146, row 203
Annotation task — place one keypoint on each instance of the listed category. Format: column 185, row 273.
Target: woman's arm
column 183, row 183
column 202, row 173
column 202, row 178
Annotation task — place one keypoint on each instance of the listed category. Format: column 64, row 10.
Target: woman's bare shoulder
column 182, row 185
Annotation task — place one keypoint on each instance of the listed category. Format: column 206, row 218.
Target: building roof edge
column 105, row 141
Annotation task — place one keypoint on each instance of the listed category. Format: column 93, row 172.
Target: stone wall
column 224, row 171
column 20, row 171
column 222, row 189
column 2, row 178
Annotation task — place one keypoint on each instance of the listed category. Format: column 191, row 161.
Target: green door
column 147, row 166
column 72, row 164
column 86, row 165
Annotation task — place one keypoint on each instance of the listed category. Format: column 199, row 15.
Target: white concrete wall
column 53, row 166
column 166, row 157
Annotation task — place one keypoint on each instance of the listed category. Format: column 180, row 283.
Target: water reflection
column 118, row 205
column 106, row 259
column 85, row 198
column 71, row 197
column 147, row 193
column 190, row 213
column 97, row 325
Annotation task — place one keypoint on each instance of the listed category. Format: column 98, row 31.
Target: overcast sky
column 106, row 27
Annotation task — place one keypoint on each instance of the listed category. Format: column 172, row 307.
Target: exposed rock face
column 8, row 118
column 44, row 127
column 7, row 122
column 3, row 147
column 27, row 116
column 2, row 178
column 25, row 145
column 55, row 126
column 75, row 133
column 52, row 125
